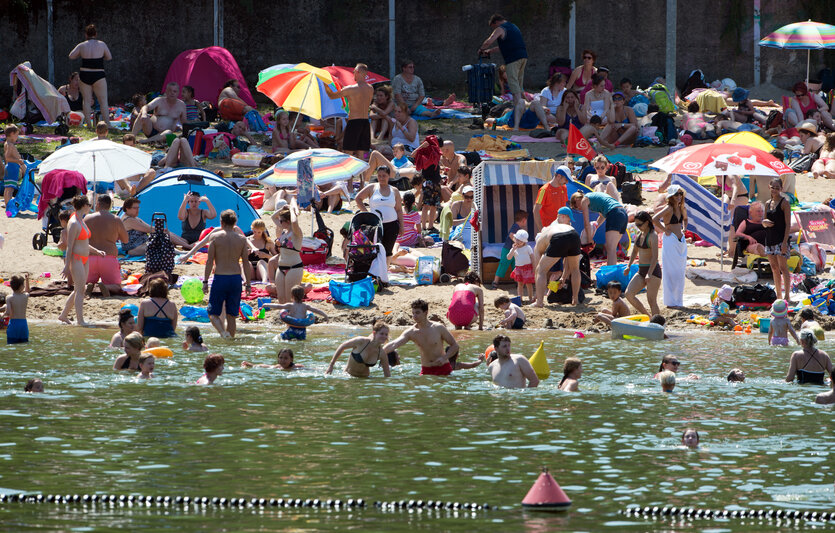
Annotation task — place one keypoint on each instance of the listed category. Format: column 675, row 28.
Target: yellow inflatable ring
column 159, row 351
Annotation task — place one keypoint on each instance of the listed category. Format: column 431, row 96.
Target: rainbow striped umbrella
column 301, row 88
column 802, row 36
column 328, row 166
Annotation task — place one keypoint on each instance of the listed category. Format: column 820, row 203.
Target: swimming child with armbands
column 809, row 322
column 146, row 366
column 297, row 315
column 286, row 362
column 780, row 327
column 194, row 340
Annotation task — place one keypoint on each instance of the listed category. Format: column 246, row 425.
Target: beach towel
column 737, row 275
column 632, row 164
column 490, row 143
column 512, row 155
column 319, row 294
column 537, row 169
column 674, row 265
column 529, row 139
column 449, row 113
column 711, row 101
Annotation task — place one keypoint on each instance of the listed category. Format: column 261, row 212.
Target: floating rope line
column 690, row 512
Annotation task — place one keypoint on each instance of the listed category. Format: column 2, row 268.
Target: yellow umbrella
column 746, row 138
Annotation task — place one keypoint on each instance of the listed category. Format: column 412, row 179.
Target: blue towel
column 632, row 164
column 255, row 122
column 450, row 113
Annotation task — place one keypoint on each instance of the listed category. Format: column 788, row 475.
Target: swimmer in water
column 571, row 372
column 133, row 348
column 690, row 438
column 213, row 366
column 736, row 376
column 33, row 385
column 152, row 342
column 127, row 325
column 146, row 366
column 366, row 352
column 668, row 380
column 194, row 340
column 286, row 362
column 510, row 370
column 670, row 362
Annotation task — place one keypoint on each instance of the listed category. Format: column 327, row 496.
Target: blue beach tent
column 165, row 194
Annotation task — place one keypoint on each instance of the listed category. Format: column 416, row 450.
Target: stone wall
column 439, row 35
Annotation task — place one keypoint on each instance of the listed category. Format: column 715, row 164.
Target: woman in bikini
column 75, row 259
column 672, row 220
column 597, row 102
column 624, row 127
column 262, row 250
column 824, row 166
column 366, row 352
column 581, row 75
column 809, row 364
column 157, row 315
column 649, row 271
column 599, row 181
column 193, row 217
column 93, row 54
column 72, row 92
column 287, row 267
column 382, row 109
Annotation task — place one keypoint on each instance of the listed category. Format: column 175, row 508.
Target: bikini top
column 126, row 364
column 645, row 244
column 358, row 356
column 675, row 219
column 84, row 234
column 285, row 240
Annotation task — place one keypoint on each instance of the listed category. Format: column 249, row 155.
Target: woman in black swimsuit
column 72, row 92
column 286, row 269
column 809, row 364
column 262, row 250
column 366, row 352
column 193, row 218
column 777, row 224
column 93, row 54
column 134, row 343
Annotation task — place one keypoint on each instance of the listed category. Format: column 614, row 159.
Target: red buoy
column 546, row 495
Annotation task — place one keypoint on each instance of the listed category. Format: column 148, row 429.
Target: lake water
column 269, row 434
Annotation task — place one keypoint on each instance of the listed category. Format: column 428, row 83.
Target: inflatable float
column 636, row 327
column 160, row 352
column 308, row 320
column 247, row 159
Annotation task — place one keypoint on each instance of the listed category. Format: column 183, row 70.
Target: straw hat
column 779, row 308
column 809, row 126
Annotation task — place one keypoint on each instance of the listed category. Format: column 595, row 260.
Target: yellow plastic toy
column 539, row 362
column 159, row 351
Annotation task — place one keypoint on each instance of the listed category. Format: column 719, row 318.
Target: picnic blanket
column 494, row 143
column 449, row 113
column 512, row 155
column 632, row 164
column 529, row 139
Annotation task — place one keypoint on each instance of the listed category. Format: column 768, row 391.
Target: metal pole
column 391, row 39
column 670, row 72
column 220, row 22
column 50, row 45
column 756, row 43
column 572, row 34
column 214, row 38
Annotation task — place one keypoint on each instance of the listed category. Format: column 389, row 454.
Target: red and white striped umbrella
column 722, row 159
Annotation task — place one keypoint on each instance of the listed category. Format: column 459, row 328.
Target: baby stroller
column 366, row 231
column 57, row 191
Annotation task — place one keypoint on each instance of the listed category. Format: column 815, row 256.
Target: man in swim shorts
column 511, row 371
column 429, row 338
column 161, row 116
column 105, row 229
column 226, row 248
column 229, row 104
column 555, row 242
column 356, row 139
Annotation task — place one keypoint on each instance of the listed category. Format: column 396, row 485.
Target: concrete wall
column 439, row 35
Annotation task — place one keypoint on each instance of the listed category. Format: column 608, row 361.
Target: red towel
column 256, row 292
column 318, row 294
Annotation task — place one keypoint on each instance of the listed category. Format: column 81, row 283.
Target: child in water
column 571, row 372
column 668, row 380
column 152, row 342
column 809, row 322
column 295, row 313
column 690, row 438
column 619, row 307
column 33, row 385
column 514, row 317
column 18, row 329
column 213, row 366
column 146, row 366
column 286, row 362
column 778, row 331
column 194, row 340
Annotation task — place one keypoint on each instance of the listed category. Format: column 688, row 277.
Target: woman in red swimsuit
column 75, row 259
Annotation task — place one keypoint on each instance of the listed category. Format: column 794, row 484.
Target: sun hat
column 779, row 308
column 565, row 171
column 566, row 211
column 739, row 95
column 521, row 235
column 726, row 293
column 672, row 190
column 466, row 189
column 602, row 69
column 728, row 84
column 618, row 93
column 809, row 126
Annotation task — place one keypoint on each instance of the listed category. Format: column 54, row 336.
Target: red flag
column 577, row 144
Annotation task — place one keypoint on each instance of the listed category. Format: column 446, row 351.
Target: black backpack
column 563, row 294
column 631, row 192
column 753, row 294
column 666, row 126
column 618, row 171
column 159, row 256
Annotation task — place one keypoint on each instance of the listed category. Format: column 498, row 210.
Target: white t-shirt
column 553, row 102
column 523, row 255
column 411, row 92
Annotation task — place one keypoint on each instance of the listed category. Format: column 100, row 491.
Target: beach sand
column 391, row 304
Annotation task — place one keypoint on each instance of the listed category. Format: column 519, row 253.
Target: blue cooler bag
column 609, row 273
column 357, row 294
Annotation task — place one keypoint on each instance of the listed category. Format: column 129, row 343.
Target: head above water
column 502, row 345
column 690, row 438
column 213, row 363
column 736, row 376
column 808, row 338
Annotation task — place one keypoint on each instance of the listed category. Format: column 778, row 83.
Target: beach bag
column 618, row 171
column 803, row 163
column 18, row 108
column 753, row 294
column 159, row 256
column 563, row 294
column 585, row 271
column 453, row 260
column 666, row 127
column 357, row 294
column 631, row 192
column 658, row 95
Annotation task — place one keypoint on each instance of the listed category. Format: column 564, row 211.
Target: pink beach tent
column 207, row 70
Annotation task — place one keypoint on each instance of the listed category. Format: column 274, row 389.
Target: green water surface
column 271, row 434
